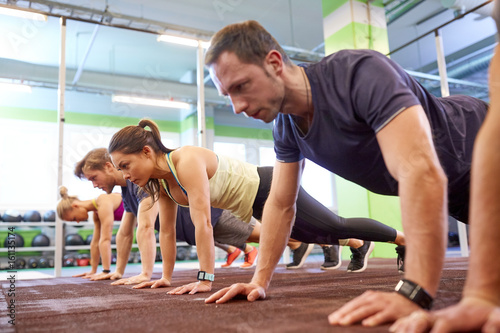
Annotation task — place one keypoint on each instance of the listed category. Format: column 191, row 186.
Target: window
column 233, row 150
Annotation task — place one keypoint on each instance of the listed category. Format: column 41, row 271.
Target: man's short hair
column 94, row 160
column 248, row 40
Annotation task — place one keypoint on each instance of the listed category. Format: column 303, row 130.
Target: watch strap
column 204, row 276
column 414, row 293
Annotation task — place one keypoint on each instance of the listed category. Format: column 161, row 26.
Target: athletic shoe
column 359, row 257
column 401, row 251
column 333, row 259
column 250, row 258
column 231, row 257
column 299, row 255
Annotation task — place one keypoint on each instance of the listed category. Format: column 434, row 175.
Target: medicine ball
column 32, row 216
column 49, row 216
column 40, row 240
column 20, row 263
column 12, row 215
column 43, row 263
column 182, row 253
column 50, row 260
column 32, row 263
column 193, row 255
column 88, row 240
column 74, row 239
column 14, row 240
column 69, row 260
column 83, row 259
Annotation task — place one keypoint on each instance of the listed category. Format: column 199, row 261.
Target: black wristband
column 414, row 293
column 106, row 271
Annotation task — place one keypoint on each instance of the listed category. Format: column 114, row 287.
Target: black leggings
column 314, row 223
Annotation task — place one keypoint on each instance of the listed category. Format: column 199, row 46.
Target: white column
column 59, row 244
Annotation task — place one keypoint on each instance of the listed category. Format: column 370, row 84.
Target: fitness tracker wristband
column 204, row 276
column 415, row 293
column 106, row 271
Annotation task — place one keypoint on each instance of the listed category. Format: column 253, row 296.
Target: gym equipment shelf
column 27, row 224
column 29, row 249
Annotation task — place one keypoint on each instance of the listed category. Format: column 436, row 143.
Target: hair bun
column 143, row 123
column 63, row 192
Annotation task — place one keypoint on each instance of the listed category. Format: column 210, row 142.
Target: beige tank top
column 233, row 186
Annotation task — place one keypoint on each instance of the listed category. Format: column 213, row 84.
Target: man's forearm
column 275, row 230
column 123, row 247
column 424, row 214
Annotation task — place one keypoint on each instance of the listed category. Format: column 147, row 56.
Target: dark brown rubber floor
column 298, row 301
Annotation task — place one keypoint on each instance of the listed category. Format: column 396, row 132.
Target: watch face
column 204, row 276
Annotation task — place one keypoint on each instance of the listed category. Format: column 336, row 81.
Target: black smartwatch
column 415, row 293
column 204, row 276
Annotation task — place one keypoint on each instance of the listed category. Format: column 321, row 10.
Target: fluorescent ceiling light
column 14, row 87
column 149, row 101
column 182, row 41
column 23, row 14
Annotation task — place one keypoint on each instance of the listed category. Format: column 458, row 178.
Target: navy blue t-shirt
column 356, row 93
column 132, row 196
column 184, row 227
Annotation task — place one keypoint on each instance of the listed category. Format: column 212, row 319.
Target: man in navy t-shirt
column 361, row 116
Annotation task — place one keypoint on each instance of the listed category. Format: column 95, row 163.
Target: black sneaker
column 401, row 251
column 299, row 255
column 333, row 259
column 359, row 257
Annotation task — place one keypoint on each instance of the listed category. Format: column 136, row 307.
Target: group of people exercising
column 388, row 135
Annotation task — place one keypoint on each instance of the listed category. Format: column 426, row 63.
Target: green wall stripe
column 76, row 118
column 376, row 3
column 191, row 122
column 385, row 209
column 243, row 132
column 329, row 6
column 354, row 36
column 114, row 121
column 28, row 114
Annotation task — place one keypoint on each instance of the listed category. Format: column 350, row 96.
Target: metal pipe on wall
column 202, row 125
column 441, row 61
column 59, row 244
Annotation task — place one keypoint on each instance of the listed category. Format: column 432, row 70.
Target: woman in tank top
column 106, row 209
column 199, row 178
